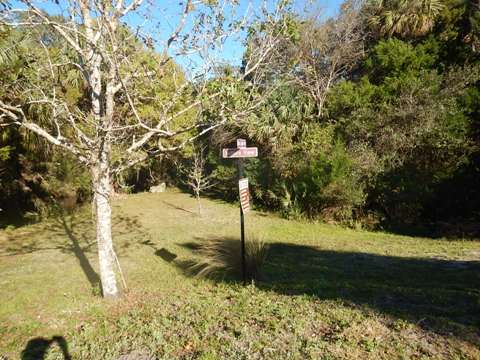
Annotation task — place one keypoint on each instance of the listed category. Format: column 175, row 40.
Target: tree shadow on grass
column 79, row 236
column 467, row 229
column 79, row 251
column 176, row 207
column 163, row 253
column 440, row 295
column 68, row 233
column 38, row 348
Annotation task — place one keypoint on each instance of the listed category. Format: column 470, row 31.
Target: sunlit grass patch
column 324, row 291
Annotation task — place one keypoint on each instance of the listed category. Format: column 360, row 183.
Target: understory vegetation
column 393, row 143
column 373, row 122
column 325, row 292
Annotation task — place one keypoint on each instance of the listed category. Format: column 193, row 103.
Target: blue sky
column 164, row 15
column 232, row 50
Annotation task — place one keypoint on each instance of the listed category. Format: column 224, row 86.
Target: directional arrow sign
column 244, row 194
column 243, row 152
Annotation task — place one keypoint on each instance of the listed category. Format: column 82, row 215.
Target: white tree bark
column 103, row 212
column 101, row 171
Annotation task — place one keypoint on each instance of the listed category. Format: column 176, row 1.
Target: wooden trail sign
column 232, row 153
column 240, row 152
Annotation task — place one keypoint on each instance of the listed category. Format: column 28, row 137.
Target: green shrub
column 327, row 186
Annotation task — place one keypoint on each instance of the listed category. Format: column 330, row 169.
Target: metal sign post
column 240, row 152
column 242, row 223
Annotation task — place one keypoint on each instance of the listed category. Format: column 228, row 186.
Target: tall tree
column 317, row 53
column 404, row 18
column 100, row 47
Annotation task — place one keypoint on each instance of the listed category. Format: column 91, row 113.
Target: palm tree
column 404, row 18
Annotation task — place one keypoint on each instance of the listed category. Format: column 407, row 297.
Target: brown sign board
column 240, row 152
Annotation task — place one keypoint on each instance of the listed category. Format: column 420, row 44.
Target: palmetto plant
column 404, row 18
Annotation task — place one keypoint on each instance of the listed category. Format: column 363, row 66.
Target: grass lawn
column 326, row 293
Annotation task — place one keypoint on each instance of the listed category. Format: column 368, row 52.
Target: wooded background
column 368, row 118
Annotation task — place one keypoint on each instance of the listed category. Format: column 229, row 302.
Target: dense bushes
column 396, row 142
column 326, row 186
column 34, row 178
column 381, row 128
column 311, row 174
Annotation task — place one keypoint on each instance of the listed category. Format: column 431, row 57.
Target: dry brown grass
column 221, row 257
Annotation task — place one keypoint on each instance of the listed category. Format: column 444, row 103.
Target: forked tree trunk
column 106, row 255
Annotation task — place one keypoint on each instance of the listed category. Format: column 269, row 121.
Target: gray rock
column 158, row 188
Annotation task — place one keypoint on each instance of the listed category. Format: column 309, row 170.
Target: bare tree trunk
column 199, row 204
column 106, row 255
column 102, row 185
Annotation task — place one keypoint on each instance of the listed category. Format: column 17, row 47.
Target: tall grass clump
column 221, row 258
